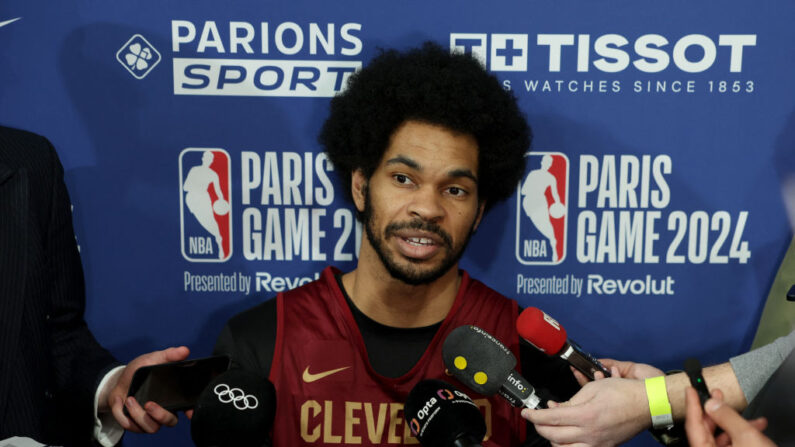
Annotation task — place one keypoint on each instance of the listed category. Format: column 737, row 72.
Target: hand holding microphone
column 440, row 415
column 485, row 365
column 546, row 334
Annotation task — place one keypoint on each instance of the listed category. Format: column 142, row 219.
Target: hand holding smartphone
column 176, row 386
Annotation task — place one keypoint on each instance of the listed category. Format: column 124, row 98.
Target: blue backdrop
column 668, row 125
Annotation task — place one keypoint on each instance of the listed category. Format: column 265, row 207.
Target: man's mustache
column 430, row 227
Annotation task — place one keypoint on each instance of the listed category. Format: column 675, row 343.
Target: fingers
column 698, row 434
column 117, row 408
column 724, row 416
column 723, row 440
column 609, row 362
column 559, row 415
column 580, row 377
column 189, row 413
column 176, row 354
column 160, row 414
column 140, row 417
column 730, row 421
column 759, row 423
column 562, row 435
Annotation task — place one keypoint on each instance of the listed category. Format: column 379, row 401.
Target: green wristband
column 659, row 407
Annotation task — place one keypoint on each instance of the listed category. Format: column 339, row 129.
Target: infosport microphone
column 546, row 334
column 485, row 365
column 236, row 409
column 440, row 415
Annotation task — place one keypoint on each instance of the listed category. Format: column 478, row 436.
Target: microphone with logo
column 485, row 365
column 440, row 415
column 546, row 334
column 236, row 409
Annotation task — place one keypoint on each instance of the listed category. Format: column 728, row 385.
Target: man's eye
column 400, row 178
column 456, row 191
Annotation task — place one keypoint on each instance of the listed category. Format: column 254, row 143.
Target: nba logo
column 205, row 204
column 542, row 209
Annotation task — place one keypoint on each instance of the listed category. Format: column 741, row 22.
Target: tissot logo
column 205, row 210
column 608, row 53
column 542, row 209
column 506, row 52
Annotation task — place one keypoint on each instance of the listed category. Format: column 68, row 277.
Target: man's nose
column 426, row 204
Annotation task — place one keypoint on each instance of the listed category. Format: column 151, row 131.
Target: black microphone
column 236, row 409
column 546, row 334
column 440, row 415
column 485, row 365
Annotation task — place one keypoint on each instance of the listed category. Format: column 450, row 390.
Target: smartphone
column 176, row 386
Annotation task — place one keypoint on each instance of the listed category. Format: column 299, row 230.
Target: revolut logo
column 608, row 53
column 205, row 204
column 264, row 59
column 542, row 209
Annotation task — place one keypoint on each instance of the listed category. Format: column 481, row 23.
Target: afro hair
column 431, row 85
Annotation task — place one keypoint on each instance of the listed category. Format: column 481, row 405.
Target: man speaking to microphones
column 425, row 142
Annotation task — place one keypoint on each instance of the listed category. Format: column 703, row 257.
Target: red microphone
column 546, row 334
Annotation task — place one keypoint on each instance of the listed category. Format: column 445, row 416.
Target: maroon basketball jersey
column 328, row 394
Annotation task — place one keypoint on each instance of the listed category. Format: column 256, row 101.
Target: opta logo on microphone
column 205, row 204
column 542, row 209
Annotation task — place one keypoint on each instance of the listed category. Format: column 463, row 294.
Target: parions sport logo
column 264, row 59
column 205, row 204
column 542, row 209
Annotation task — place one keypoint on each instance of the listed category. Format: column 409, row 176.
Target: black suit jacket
column 50, row 362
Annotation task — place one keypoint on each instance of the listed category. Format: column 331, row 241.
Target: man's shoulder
column 266, row 311
column 22, row 149
column 476, row 287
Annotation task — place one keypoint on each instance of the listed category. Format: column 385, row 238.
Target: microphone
column 485, row 365
column 440, row 415
column 546, row 334
column 235, row 409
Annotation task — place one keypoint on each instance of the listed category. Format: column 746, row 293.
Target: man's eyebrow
column 400, row 159
column 455, row 173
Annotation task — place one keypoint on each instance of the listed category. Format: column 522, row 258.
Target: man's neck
column 392, row 302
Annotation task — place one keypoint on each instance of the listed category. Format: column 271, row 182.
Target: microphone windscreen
column 438, row 414
column 477, row 359
column 541, row 330
column 236, row 409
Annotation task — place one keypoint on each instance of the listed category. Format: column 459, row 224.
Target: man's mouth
column 419, row 241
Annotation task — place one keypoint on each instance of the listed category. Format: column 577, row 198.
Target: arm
column 754, row 368
column 80, row 362
column 614, row 410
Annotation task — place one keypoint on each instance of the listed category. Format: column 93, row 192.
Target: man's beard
column 411, row 274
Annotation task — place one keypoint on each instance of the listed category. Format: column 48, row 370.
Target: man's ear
column 481, row 210
column 358, row 189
